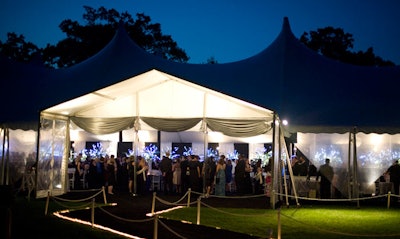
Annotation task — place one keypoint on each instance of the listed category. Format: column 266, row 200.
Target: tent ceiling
column 157, row 94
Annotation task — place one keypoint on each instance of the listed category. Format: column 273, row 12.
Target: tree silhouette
column 334, row 43
column 17, row 48
column 83, row 41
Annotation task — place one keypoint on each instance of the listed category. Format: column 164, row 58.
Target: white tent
column 152, row 101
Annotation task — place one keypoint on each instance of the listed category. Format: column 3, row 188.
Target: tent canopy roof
column 157, row 94
column 166, row 103
column 314, row 93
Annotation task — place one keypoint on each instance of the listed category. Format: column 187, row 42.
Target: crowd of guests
column 215, row 175
column 110, row 172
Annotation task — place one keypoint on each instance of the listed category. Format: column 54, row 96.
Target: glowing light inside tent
column 215, row 136
column 376, row 140
column 331, row 152
column 74, row 135
column 144, row 135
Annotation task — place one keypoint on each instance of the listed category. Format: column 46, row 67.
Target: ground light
column 76, row 220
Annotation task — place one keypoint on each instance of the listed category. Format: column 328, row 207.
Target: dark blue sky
column 228, row 30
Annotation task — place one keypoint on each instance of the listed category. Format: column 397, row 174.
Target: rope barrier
column 125, row 219
column 336, row 199
column 73, row 207
column 199, row 202
column 170, row 230
column 170, row 203
column 233, row 214
column 238, row 197
column 78, row 200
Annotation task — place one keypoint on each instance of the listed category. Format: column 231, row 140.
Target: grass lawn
column 323, row 221
column 307, row 221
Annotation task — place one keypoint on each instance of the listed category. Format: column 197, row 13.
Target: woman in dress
column 111, row 168
column 141, row 175
column 176, row 178
column 220, row 177
column 78, row 172
column 209, row 174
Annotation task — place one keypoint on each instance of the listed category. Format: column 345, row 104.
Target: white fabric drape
column 229, row 127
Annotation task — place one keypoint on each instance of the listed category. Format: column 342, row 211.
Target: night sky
column 228, row 30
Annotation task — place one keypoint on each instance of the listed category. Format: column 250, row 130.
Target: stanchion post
column 92, row 215
column 47, row 204
column 272, row 199
column 189, row 194
column 279, row 223
column 153, row 204
column 388, row 200
column 104, row 194
column 198, row 210
column 155, row 232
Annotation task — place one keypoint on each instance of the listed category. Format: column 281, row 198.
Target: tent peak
column 286, row 25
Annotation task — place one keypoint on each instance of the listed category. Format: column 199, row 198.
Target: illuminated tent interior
column 336, row 110
column 143, row 105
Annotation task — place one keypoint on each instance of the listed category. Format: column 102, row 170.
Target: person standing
column 176, row 175
column 258, row 178
column 394, row 173
column 209, row 174
column 166, row 171
column 326, row 173
column 240, row 171
column 195, row 173
column 220, row 177
column 111, row 169
column 141, row 175
column 78, row 172
column 228, row 175
column 185, row 174
column 300, row 167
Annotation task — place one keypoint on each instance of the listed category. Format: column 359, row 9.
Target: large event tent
column 152, row 101
column 336, row 110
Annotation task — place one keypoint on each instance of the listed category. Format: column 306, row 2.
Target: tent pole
column 282, row 167
column 349, row 172
column 205, row 154
column 7, row 159
column 273, row 170
column 136, row 162
column 356, row 167
column 3, row 156
column 292, row 181
column 37, row 154
column 67, row 150
column 205, row 134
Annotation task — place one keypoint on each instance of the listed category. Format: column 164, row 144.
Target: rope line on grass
column 337, row 232
column 83, row 206
column 174, row 203
column 231, row 197
column 170, row 229
column 233, row 214
column 335, row 199
column 78, row 200
column 84, row 190
column 394, row 195
column 170, row 203
column 126, row 219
